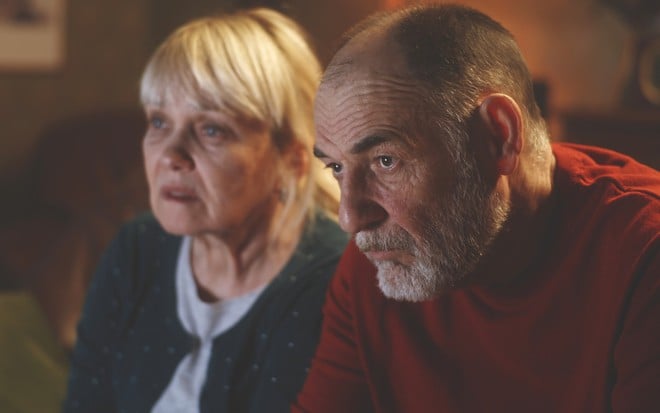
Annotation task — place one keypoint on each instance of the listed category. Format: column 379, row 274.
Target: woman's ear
column 502, row 118
column 297, row 160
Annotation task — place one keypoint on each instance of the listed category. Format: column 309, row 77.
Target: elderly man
column 496, row 272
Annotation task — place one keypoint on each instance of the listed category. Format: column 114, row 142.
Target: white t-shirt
column 202, row 320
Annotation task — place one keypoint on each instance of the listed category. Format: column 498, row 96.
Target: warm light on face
column 423, row 218
column 209, row 172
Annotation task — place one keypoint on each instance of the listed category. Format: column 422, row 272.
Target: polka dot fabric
column 131, row 340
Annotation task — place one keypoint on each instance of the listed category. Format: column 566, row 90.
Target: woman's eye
column 211, row 130
column 215, row 131
column 386, row 161
column 157, row 122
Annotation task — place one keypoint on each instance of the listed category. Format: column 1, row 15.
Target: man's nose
column 358, row 209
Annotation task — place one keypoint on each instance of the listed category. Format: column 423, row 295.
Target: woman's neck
column 224, row 268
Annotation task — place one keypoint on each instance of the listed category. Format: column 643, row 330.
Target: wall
column 579, row 47
column 326, row 20
column 105, row 50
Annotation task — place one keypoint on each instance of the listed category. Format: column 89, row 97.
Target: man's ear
column 502, row 119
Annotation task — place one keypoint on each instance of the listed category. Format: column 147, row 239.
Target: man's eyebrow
column 319, row 153
column 367, row 143
column 359, row 147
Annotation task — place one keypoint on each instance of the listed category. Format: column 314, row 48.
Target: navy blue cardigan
column 130, row 339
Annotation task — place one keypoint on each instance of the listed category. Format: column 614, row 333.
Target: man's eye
column 335, row 167
column 386, row 161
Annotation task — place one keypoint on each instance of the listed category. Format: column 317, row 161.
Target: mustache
column 384, row 241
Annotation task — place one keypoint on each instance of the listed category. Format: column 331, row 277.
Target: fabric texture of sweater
column 578, row 332
column 130, row 339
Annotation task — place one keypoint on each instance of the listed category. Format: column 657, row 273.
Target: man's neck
column 533, row 206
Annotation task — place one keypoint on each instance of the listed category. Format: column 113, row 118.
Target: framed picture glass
column 31, row 34
column 649, row 70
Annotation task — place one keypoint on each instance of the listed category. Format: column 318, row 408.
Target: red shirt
column 579, row 333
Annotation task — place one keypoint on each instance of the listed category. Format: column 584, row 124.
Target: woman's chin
column 176, row 223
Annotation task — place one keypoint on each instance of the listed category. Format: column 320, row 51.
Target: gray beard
column 454, row 237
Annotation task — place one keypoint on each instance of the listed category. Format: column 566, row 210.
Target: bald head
column 456, row 54
column 371, row 50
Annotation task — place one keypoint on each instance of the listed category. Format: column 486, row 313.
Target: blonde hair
column 252, row 64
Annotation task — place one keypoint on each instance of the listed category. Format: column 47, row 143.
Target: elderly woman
column 213, row 303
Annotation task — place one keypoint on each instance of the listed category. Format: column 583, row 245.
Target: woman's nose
column 176, row 154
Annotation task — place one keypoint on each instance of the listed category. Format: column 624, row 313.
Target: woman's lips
column 178, row 193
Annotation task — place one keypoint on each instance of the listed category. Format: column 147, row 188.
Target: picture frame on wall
column 32, row 35
column 649, row 70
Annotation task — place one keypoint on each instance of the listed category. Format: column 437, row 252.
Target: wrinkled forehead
column 369, row 63
column 374, row 52
column 367, row 73
column 364, row 104
column 366, row 89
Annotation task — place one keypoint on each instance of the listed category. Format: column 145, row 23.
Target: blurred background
column 582, row 49
column 70, row 130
